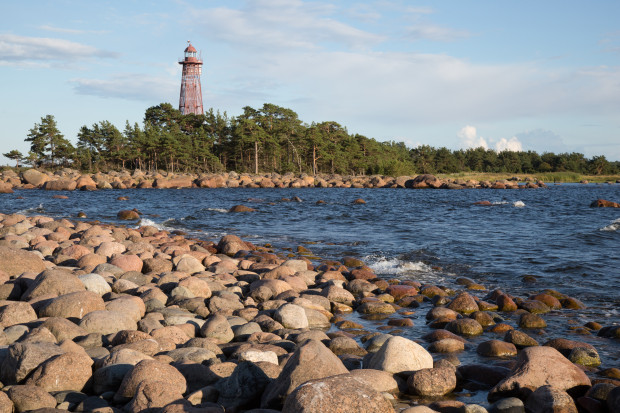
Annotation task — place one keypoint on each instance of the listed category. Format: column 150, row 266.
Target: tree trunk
column 256, row 157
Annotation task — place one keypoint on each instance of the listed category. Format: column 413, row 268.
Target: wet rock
column 231, row 244
column 483, row 374
column 432, row 382
column 241, row 208
column 463, row 303
column 465, row 327
column 310, row 361
column 375, row 307
column 519, row 339
column 529, row 320
column 336, row 394
column 565, row 346
column 602, row 203
column 508, row 405
column 398, row 354
column 539, row 366
column 549, row 399
column 128, row 215
column 446, row 345
column 505, row 303
column 585, row 357
column 496, row 348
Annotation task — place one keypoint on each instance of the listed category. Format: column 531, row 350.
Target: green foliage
column 48, row 147
column 14, row 155
column 274, row 139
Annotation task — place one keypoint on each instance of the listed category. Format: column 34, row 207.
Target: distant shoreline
column 69, row 180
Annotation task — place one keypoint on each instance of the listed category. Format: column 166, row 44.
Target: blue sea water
column 433, row 236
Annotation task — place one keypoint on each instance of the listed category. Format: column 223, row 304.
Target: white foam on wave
column 222, row 210
column 499, row 203
column 32, row 210
column 395, row 266
column 518, row 204
column 148, row 222
column 614, row 226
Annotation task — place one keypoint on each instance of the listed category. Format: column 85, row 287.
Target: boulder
column 152, row 395
column 66, row 372
column 128, row 215
column 217, row 328
column 149, row 370
column 107, row 322
column 34, row 177
column 15, row 261
column 312, row 360
column 602, row 203
column 72, row 305
column 291, row 316
column 28, row 398
column 23, row 358
column 536, row 367
column 432, row 382
column 398, row 354
column 16, row 313
column 243, row 388
column 231, row 244
column 342, row 394
column 550, row 399
column 424, row 181
column 241, row 208
column 64, row 184
column 53, row 282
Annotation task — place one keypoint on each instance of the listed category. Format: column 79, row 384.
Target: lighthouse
column 190, row 100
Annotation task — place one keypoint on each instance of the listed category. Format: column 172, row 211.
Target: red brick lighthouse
column 190, row 100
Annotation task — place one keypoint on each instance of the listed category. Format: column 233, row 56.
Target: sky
column 527, row 75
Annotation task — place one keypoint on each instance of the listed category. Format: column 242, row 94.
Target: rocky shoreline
column 104, row 318
column 69, row 180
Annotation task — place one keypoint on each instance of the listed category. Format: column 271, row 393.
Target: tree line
column 269, row 139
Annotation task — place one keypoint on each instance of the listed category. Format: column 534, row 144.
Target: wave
column 518, row 204
column 499, row 203
column 32, row 210
column 222, row 210
column 614, row 226
column 395, row 266
column 145, row 221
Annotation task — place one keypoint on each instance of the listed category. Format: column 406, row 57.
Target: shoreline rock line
column 103, row 318
column 70, row 180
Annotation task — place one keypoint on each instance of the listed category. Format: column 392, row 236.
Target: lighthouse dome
column 190, row 49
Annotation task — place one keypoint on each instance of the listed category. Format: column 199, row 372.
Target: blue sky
column 528, row 75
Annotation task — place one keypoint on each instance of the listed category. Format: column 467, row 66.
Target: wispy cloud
column 64, row 30
column 20, row 50
column 284, row 26
column 129, row 86
column 435, row 33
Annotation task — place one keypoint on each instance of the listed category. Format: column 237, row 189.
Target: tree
column 48, row 145
column 14, row 155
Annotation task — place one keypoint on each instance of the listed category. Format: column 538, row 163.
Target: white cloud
column 130, row 87
column 32, row 50
column 468, row 137
column 64, row 30
column 513, row 144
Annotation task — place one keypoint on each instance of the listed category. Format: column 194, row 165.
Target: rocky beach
column 108, row 318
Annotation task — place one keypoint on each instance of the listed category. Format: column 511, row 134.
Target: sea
column 551, row 235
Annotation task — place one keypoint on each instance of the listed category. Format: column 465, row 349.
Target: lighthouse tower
column 190, row 100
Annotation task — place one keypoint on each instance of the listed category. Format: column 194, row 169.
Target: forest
column 269, row 139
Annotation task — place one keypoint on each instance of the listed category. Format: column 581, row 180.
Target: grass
column 565, row 177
